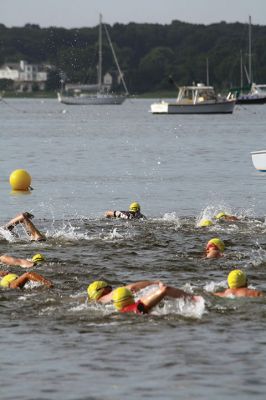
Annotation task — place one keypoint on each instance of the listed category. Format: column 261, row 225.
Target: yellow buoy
column 20, row 180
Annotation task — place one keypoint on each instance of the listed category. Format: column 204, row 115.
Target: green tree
column 155, row 66
column 53, row 80
column 6, row 84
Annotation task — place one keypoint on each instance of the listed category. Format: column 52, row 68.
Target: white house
column 108, row 79
column 24, row 75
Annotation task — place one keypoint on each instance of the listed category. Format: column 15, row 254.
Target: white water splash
column 186, row 308
column 70, row 232
column 172, row 217
column 215, row 286
column 7, row 235
column 80, row 307
column 32, row 285
column 207, row 213
column 114, row 235
column 210, row 211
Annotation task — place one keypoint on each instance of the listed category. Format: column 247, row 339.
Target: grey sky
column 77, row 13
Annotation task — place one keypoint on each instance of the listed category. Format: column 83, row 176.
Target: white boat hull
column 97, row 99
column 163, row 107
column 259, row 160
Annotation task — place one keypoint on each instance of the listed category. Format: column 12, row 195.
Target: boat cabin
column 196, row 94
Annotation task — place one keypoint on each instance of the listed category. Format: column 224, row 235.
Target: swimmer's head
column 237, row 279
column 134, row 207
column 205, row 222
column 95, row 289
column 122, row 297
column 38, row 258
column 7, row 279
column 220, row 215
column 216, row 242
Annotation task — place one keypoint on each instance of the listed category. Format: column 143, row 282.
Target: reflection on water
column 54, row 343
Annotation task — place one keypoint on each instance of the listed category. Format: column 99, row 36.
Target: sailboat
column 97, row 94
column 253, row 93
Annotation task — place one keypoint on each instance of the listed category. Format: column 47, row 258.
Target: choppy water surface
column 85, row 160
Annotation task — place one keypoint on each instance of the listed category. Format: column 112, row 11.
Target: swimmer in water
column 13, row 281
column 132, row 213
column 25, row 219
column 124, row 301
column 238, row 286
column 204, row 223
column 222, row 216
column 22, row 262
column 102, row 292
column 214, row 248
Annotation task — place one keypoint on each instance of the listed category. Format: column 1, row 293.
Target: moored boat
column 196, row 99
column 254, row 94
column 99, row 93
column 259, row 160
column 98, row 98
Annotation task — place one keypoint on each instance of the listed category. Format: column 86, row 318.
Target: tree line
column 148, row 53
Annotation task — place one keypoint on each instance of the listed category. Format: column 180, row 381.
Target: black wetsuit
column 129, row 215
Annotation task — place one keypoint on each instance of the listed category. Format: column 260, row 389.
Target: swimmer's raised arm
column 25, row 219
column 30, row 276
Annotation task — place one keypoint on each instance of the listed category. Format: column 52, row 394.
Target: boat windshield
column 187, row 94
column 206, row 94
column 261, row 88
column 196, row 94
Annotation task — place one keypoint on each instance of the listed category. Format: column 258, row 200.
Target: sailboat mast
column 207, row 72
column 100, row 54
column 241, row 69
column 116, row 61
column 249, row 52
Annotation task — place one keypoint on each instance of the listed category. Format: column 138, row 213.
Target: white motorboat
column 97, row 94
column 196, row 99
column 259, row 160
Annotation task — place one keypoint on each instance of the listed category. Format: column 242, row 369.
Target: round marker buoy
column 20, row 180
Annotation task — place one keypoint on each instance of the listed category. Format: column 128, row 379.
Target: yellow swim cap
column 218, row 243
column 134, row 207
column 7, row 279
column 220, row 215
column 38, row 258
column 237, row 279
column 122, row 297
column 205, row 222
column 95, row 289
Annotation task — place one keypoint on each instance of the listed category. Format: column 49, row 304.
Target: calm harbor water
column 85, row 160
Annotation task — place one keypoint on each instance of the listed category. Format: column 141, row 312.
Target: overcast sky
column 78, row 13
